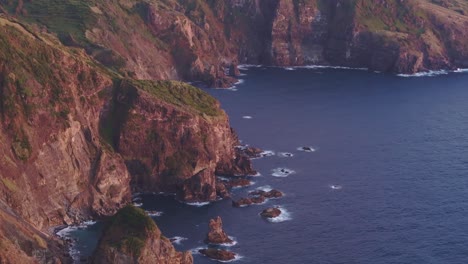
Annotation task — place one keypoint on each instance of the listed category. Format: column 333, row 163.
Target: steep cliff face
column 132, row 237
column 204, row 40
column 173, row 138
column 76, row 137
column 388, row 35
column 54, row 170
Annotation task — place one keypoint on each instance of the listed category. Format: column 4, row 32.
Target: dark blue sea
column 387, row 182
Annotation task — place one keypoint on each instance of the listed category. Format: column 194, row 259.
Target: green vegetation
column 182, row 95
column 69, row 19
column 21, row 146
column 40, row 242
column 129, row 229
column 10, row 185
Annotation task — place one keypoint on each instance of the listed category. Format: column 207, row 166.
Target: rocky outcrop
column 267, row 194
column 173, row 137
column 216, row 234
column 218, row 254
column 271, row 212
column 257, row 197
column 132, row 237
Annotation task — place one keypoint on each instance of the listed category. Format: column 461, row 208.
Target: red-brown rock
column 218, row 254
column 216, row 235
column 270, row 213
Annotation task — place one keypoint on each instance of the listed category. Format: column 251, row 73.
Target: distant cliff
column 199, row 40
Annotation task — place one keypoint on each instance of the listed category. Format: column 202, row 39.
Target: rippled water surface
column 388, row 182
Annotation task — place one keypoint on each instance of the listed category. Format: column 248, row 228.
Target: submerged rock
column 271, row 213
column 216, row 235
column 218, row 254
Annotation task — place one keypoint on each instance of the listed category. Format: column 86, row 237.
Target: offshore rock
column 218, row 254
column 216, row 234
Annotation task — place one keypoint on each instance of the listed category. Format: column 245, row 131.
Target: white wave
column 242, row 147
column 425, row 74
column 244, row 67
column 236, row 258
column 282, row 172
column 460, row 70
column 255, row 175
column 265, row 188
column 241, row 187
column 154, row 213
column 230, row 244
column 198, row 204
column 284, row 216
column 196, row 251
column 267, row 153
column 285, row 154
column 247, row 117
column 65, row 233
column 234, row 87
column 136, row 199
column 138, row 204
column 331, row 67
column 289, row 68
column 307, row 149
column 177, row 240
column 223, row 178
column 336, row 187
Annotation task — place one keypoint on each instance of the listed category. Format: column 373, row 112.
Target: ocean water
column 387, row 181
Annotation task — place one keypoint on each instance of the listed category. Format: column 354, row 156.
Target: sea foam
column 283, row 217
column 282, row 172
column 177, row 240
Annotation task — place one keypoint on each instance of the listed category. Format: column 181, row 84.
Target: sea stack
column 216, row 235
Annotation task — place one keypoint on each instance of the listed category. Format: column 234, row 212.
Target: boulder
column 271, row 212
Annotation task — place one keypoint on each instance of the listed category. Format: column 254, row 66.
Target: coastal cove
column 386, row 182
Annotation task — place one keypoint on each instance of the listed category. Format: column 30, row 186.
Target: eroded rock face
column 54, row 169
column 216, row 234
column 205, row 41
column 172, row 147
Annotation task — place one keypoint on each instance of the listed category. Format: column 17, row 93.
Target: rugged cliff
column 132, row 237
column 83, row 121
column 200, row 40
column 77, row 137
